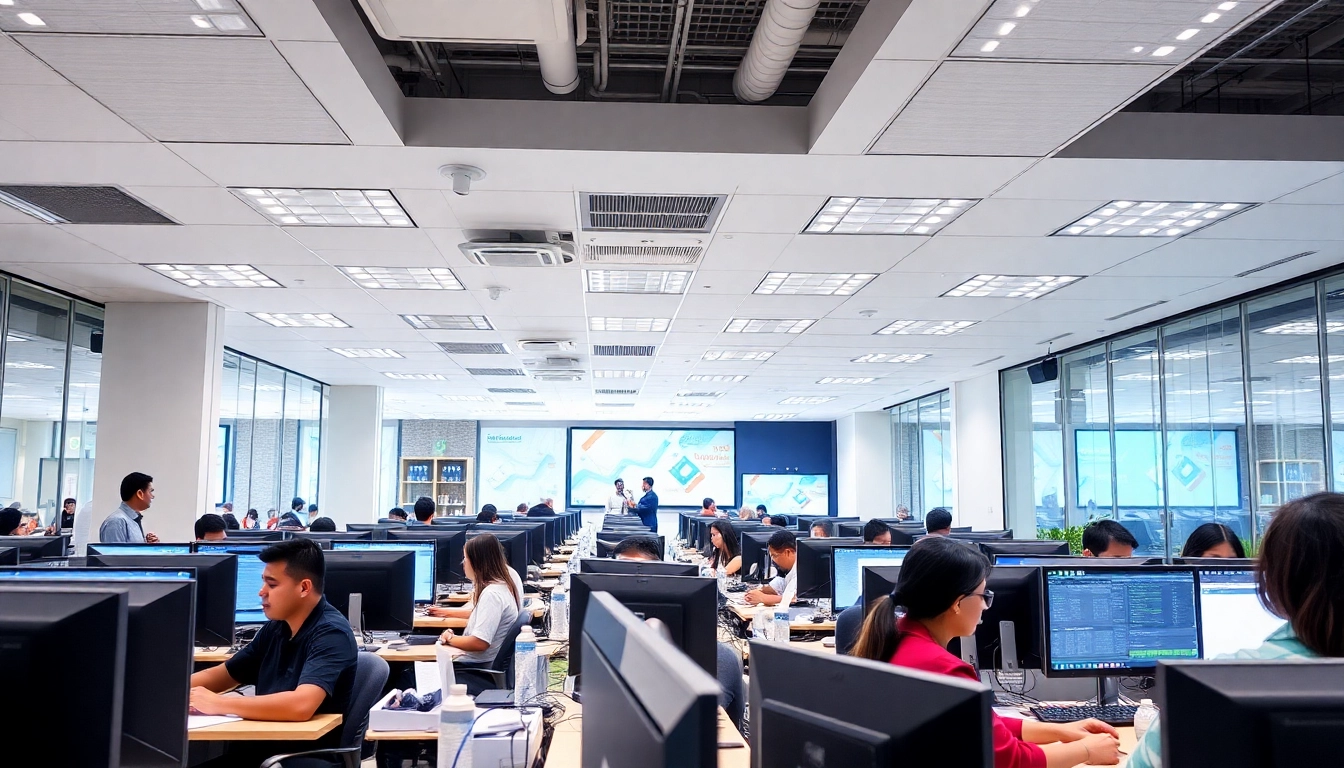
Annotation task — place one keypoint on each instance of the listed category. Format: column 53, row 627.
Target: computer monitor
column 847, row 564
column 252, row 535
column 1262, row 714
column 1243, row 563
column 804, row 524
column 385, row 582
column 515, row 548
column 637, row 567
column 970, row 535
column 1042, row 561
column 1118, row 621
column 378, row 531
column 646, row 705
column 216, row 588
column 9, row 556
column 878, row 580
column 1023, row 547
column 62, row 640
column 1231, row 616
column 814, row 564
column 689, row 606
column 448, row 550
column 424, row 560
column 607, row 548
column 37, row 547
column 1012, row 623
column 329, row 536
column 756, row 554
column 899, row 537
column 128, row 548
column 810, row 708
column 534, row 533
column 247, row 609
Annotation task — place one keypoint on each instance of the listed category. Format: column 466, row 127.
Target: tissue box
column 508, row 750
column 381, row 719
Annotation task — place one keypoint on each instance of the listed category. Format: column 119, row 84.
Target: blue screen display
column 94, row 574
column 849, row 563
column 247, row 605
column 424, row 561
column 140, row 549
column 1111, row 619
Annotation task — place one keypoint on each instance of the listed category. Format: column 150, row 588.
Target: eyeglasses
column 987, row 596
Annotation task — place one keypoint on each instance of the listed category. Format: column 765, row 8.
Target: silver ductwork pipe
column 781, row 30
column 560, row 59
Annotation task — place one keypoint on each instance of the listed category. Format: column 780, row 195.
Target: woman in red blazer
column 940, row 595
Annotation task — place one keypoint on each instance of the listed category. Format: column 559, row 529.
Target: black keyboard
column 1112, row 714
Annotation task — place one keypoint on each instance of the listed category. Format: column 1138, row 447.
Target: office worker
column 397, row 513
column 902, row 512
column 251, row 521
column 11, row 521
column 1300, row 581
column 521, row 509
column 616, row 502
column 708, row 508
column 876, row 532
column 296, row 505
column 424, row 511
column 647, row 506
column 230, row 522
column 272, row 519
column 822, row 529
column 496, row 600
column 938, row 522
column 211, row 527
column 726, row 552
column 942, row 590
column 637, row 548
column 1107, row 538
column 746, row 513
column 488, row 514
column 126, row 523
column 1213, row 540
column 783, row 548
column 323, row 525
column 66, row 519
column 302, row 660
column 313, row 514
column 541, row 510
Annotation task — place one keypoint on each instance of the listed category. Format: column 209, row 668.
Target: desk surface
column 255, row 730
column 566, row 750
column 545, row 648
column 747, row 612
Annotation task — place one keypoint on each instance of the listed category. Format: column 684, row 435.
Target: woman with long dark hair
column 495, row 597
column 727, row 551
column 940, row 594
column 1213, row 540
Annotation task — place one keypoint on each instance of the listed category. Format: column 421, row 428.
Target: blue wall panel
column 787, row 447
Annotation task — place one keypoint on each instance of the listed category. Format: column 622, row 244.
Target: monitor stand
column 356, row 617
column 1108, row 691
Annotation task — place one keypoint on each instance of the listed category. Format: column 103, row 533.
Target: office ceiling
column 911, row 108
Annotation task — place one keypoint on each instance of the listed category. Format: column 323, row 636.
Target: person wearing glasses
column 940, row 594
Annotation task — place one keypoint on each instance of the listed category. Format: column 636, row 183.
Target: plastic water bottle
column 1144, row 717
column 763, row 625
column 525, row 667
column 559, row 614
column 455, row 718
column 782, row 622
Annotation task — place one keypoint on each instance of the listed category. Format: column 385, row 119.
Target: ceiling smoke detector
column 462, row 176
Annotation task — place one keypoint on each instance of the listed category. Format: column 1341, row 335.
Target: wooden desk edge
column 258, row 730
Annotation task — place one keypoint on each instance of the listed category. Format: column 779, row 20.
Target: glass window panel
column 390, row 457
column 1089, row 448
column 81, row 415
column 1033, row 452
column 266, row 489
column 32, row 405
column 905, row 454
column 1334, row 339
column 1138, row 441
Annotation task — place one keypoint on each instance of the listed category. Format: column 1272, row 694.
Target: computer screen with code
column 1106, row 621
column 1231, row 616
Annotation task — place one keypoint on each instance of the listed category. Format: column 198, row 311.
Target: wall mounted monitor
column 795, row 495
column 687, row 465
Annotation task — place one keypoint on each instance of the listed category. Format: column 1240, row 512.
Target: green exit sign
column 440, row 447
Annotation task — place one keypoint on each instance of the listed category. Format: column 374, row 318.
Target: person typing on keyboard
column 941, row 592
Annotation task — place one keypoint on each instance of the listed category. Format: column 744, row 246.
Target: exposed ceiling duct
column 783, row 25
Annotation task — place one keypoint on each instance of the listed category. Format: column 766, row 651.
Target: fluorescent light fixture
column 1302, row 328
column 1022, row 10
column 926, row 327
column 610, row 374
column 1191, row 392
column 1209, row 18
column 699, row 395
column 886, row 215
column 1128, row 218
column 1163, row 50
column 760, row 325
column 1286, row 391
column 416, row 376
column 1137, row 49
column 687, row 405
column 1226, row 6
column 773, row 416
column 798, row 400
column 1012, row 286
column 325, row 207
column 403, row 278
column 894, row 357
column 27, row 366
column 304, row 320
column 365, row 352
column 639, row 324
column 467, row 398
column 847, row 380
column 813, row 283
column 215, row 5
column 1006, row 27
column 755, row 355
column 708, row 378
column 635, row 281
column 215, row 275
column 449, row 322
column 1311, row 360
column 1187, row 34
column 202, row 22
column 1145, row 376
column 36, row 211
column 32, row 20
column 228, row 22
column 989, row 46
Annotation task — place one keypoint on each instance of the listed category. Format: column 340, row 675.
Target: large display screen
column 1201, row 468
column 521, row 464
column 686, row 465
column 788, row 494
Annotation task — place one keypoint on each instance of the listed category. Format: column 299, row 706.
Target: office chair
column 370, row 677
column 732, row 692
column 498, row 675
column 848, row 625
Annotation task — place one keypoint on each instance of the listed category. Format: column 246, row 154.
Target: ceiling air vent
column 650, row 213
column 79, row 205
column 527, row 248
column 547, row 345
column 495, row 372
column 558, row 375
column 615, row 405
column 465, row 348
column 622, row 350
column 526, row 403
column 656, row 255
column 512, row 391
column 616, row 391
column 700, row 394
column 554, row 363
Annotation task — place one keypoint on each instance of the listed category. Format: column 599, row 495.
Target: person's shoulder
column 332, row 626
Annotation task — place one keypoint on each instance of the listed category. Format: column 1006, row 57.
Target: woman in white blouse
column 495, row 598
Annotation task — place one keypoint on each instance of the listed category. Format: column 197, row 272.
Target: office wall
column 977, row 449
column 787, row 447
column 418, row 438
column 863, row 486
column 353, row 446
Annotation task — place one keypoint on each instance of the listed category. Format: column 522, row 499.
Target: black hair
column 649, row 480
column 133, row 484
column 730, row 543
column 706, row 502
column 488, row 515
column 296, row 504
column 302, row 558
column 936, row 573
column 761, row 508
column 1210, row 535
column 68, row 501
column 491, row 508
column 618, row 480
column 230, row 522
column 424, row 509
column 209, row 523
column 826, row 526
column 397, row 512
column 779, row 521
column 1299, row 578
column 782, row 540
column 323, row 525
column 938, row 519
column 521, row 508
column 874, row 528
column 252, row 514
column 1097, row 536
column 9, row 520
column 645, row 545
column 312, row 508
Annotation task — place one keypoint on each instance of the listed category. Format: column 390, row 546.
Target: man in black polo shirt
column 302, row 661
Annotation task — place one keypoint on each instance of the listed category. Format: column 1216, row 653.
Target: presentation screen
column 686, row 465
column 1201, row 468
column 788, row 494
column 521, row 464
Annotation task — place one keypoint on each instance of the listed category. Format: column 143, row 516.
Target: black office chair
column 732, row 691
column 848, row 625
column 370, row 677
column 499, row 673
column 391, row 521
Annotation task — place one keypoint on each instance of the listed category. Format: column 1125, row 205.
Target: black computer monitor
column 1244, row 563
column 607, row 548
column 805, row 524
column 535, row 533
column 515, row 548
column 325, row 537
column 1045, row 561
column 646, row 705
column 689, row 607
column 129, row 548
column 1023, row 547
column 424, row 560
column 878, row 580
column 384, row 580
column 899, row 536
column 379, row 531
column 253, row 535
column 637, row 567
column 814, row 564
column 756, row 554
column 65, row 639
column 216, row 588
column 1265, row 714
column 9, row 556
column 1231, row 616
column 970, row 535
column 448, row 550
column 1014, row 621
column 1118, row 621
column 247, row 610
column 859, row 713
column 37, row 547
column 847, row 564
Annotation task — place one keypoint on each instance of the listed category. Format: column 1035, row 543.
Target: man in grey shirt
column 124, row 525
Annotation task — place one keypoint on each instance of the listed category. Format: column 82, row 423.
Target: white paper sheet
column 205, row 721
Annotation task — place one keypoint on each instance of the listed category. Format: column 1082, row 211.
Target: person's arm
column 215, row 679
column 459, row 612
column 1068, row 744
column 766, row 595
column 468, row 643
column 293, row 706
column 734, row 565
column 113, row 531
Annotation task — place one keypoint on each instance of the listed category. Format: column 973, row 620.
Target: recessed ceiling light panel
column 886, row 215
column 403, row 278
column 882, row 357
column 364, row 352
column 1302, row 328
column 847, row 380
column 773, row 416
column 756, row 355
column 326, row 207
column 635, row 281
column 301, row 320
column 449, row 322
column 798, row 400
column 926, row 327
column 1012, row 286
column 715, row 378
column 215, row 275
column 1130, row 218
column 416, row 376
column 160, row 17
column 812, row 283
column 760, row 325
column 610, row 374
column 468, row 398
column 643, row 324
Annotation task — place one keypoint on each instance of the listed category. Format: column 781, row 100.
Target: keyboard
column 1112, row 714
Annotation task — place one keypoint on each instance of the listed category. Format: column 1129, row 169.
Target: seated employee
column 11, row 520
column 727, row 551
column 545, row 509
column 708, row 508
column 1107, row 538
column 637, row 548
column 783, row 547
column 323, row 525
column 521, row 509
column 396, row 513
column 876, row 532
column 1213, row 540
column 424, row 511
column 302, row 660
column 938, row 522
column 210, row 527
column 464, row 611
column 497, row 600
column 822, row 529
column 488, row 514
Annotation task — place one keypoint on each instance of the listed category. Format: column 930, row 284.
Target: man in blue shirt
column 424, row 511
column 124, row 525
column 647, row 506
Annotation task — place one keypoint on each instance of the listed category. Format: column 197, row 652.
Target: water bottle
column 782, row 622
column 559, row 614
column 455, row 718
column 1144, row 717
column 525, row 667
column 763, row 625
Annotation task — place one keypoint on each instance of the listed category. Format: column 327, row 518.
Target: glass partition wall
column 1219, row 416
column 922, row 454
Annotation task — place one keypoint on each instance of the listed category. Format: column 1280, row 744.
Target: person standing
column 313, row 514
column 647, row 506
column 125, row 524
column 617, row 502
